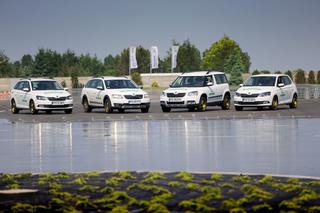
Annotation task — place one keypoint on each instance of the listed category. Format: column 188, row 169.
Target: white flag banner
column 174, row 53
column 154, row 57
column 132, row 58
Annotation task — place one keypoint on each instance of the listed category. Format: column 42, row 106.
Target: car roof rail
column 208, row 72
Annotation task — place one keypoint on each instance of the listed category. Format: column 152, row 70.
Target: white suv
column 197, row 90
column 268, row 90
column 114, row 93
column 40, row 94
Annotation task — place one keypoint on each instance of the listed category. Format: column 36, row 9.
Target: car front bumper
column 184, row 102
column 253, row 102
column 53, row 105
column 131, row 103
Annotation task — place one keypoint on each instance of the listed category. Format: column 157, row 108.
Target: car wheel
column 86, row 105
column 238, row 108
column 121, row 110
column 226, row 102
column 275, row 103
column 107, row 105
column 68, row 111
column 14, row 108
column 165, row 109
column 48, row 111
column 294, row 103
column 202, row 106
column 32, row 108
column 145, row 110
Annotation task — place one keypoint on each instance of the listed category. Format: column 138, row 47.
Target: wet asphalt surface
column 307, row 108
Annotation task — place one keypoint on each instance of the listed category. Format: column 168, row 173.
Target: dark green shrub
column 256, row 72
column 289, row 73
column 278, row 72
column 74, row 80
column 300, row 77
column 311, row 77
column 318, row 77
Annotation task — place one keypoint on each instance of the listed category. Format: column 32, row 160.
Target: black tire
column 68, row 111
column 32, row 108
column 202, row 106
column 165, row 109
column 294, row 103
column 48, row 111
column 107, row 105
column 121, row 110
column 14, row 108
column 145, row 110
column 275, row 103
column 86, row 106
column 226, row 102
column 238, row 108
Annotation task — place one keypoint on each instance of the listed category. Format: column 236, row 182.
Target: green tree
column 143, row 60
column 278, row 72
column 90, row 66
column 136, row 77
column 47, row 63
column 256, row 72
column 318, row 77
column 234, row 66
column 311, row 77
column 27, row 61
column 289, row 73
column 215, row 57
column 265, row 72
column 300, row 76
column 188, row 58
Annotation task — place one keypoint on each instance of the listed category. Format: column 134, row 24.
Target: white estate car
column 114, row 93
column 40, row 94
column 266, row 90
column 197, row 90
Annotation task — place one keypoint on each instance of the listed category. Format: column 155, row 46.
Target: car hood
column 181, row 89
column 251, row 90
column 128, row 91
column 52, row 93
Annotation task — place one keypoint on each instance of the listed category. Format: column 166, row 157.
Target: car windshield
column 46, row 85
column 267, row 81
column 189, row 81
column 120, row 84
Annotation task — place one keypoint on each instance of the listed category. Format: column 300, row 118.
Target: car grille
column 133, row 96
column 57, row 99
column 175, row 103
column 172, row 95
column 249, row 96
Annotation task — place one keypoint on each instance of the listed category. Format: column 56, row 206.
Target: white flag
column 132, row 58
column 154, row 57
column 174, row 53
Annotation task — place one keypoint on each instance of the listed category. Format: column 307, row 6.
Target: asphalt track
column 307, row 108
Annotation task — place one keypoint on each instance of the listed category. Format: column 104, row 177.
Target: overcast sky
column 277, row 34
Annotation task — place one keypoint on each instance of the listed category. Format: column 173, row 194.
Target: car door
column 283, row 91
column 210, row 89
column 289, row 88
column 219, row 86
column 98, row 92
column 25, row 95
column 16, row 93
column 91, row 91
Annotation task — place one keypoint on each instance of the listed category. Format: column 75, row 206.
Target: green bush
column 74, row 80
column 154, row 84
column 318, row 77
column 278, row 72
column 265, row 72
column 289, row 73
column 111, row 72
column 136, row 77
column 311, row 78
column 300, row 77
column 256, row 72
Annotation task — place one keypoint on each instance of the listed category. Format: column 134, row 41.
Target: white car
column 267, row 90
column 40, row 94
column 197, row 90
column 114, row 93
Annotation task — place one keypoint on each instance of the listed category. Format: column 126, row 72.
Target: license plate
column 248, row 100
column 57, row 102
column 134, row 102
column 174, row 99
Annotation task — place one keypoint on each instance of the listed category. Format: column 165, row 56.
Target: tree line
column 224, row 55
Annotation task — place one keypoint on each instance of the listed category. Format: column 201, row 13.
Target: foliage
column 266, row 180
column 311, row 77
column 184, row 176
column 215, row 57
column 234, row 66
column 254, row 192
column 241, row 178
column 136, row 77
column 74, row 80
column 155, row 84
column 256, row 72
column 263, row 207
column 188, row 58
column 318, row 77
column 22, row 207
column 300, row 76
column 289, row 73
column 64, row 84
column 216, row 176
column 278, row 72
column 265, row 72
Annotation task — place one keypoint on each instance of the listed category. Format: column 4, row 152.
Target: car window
column 46, row 85
column 260, row 81
column 189, row 81
column 120, row 84
column 92, row 84
column 280, row 80
column 88, row 84
column 99, row 84
column 209, row 79
column 25, row 84
column 287, row 80
column 221, row 79
column 19, row 85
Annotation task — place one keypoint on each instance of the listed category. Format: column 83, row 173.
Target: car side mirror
column 281, row 85
column 140, row 86
column 99, row 87
column 170, row 85
column 66, row 89
column 209, row 84
column 241, row 85
column 26, row 89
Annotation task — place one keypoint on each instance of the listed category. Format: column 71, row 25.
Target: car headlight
column 69, row 97
column 194, row 93
column 41, row 98
column 264, row 94
column 116, row 96
column 163, row 94
column 146, row 96
column 238, row 94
